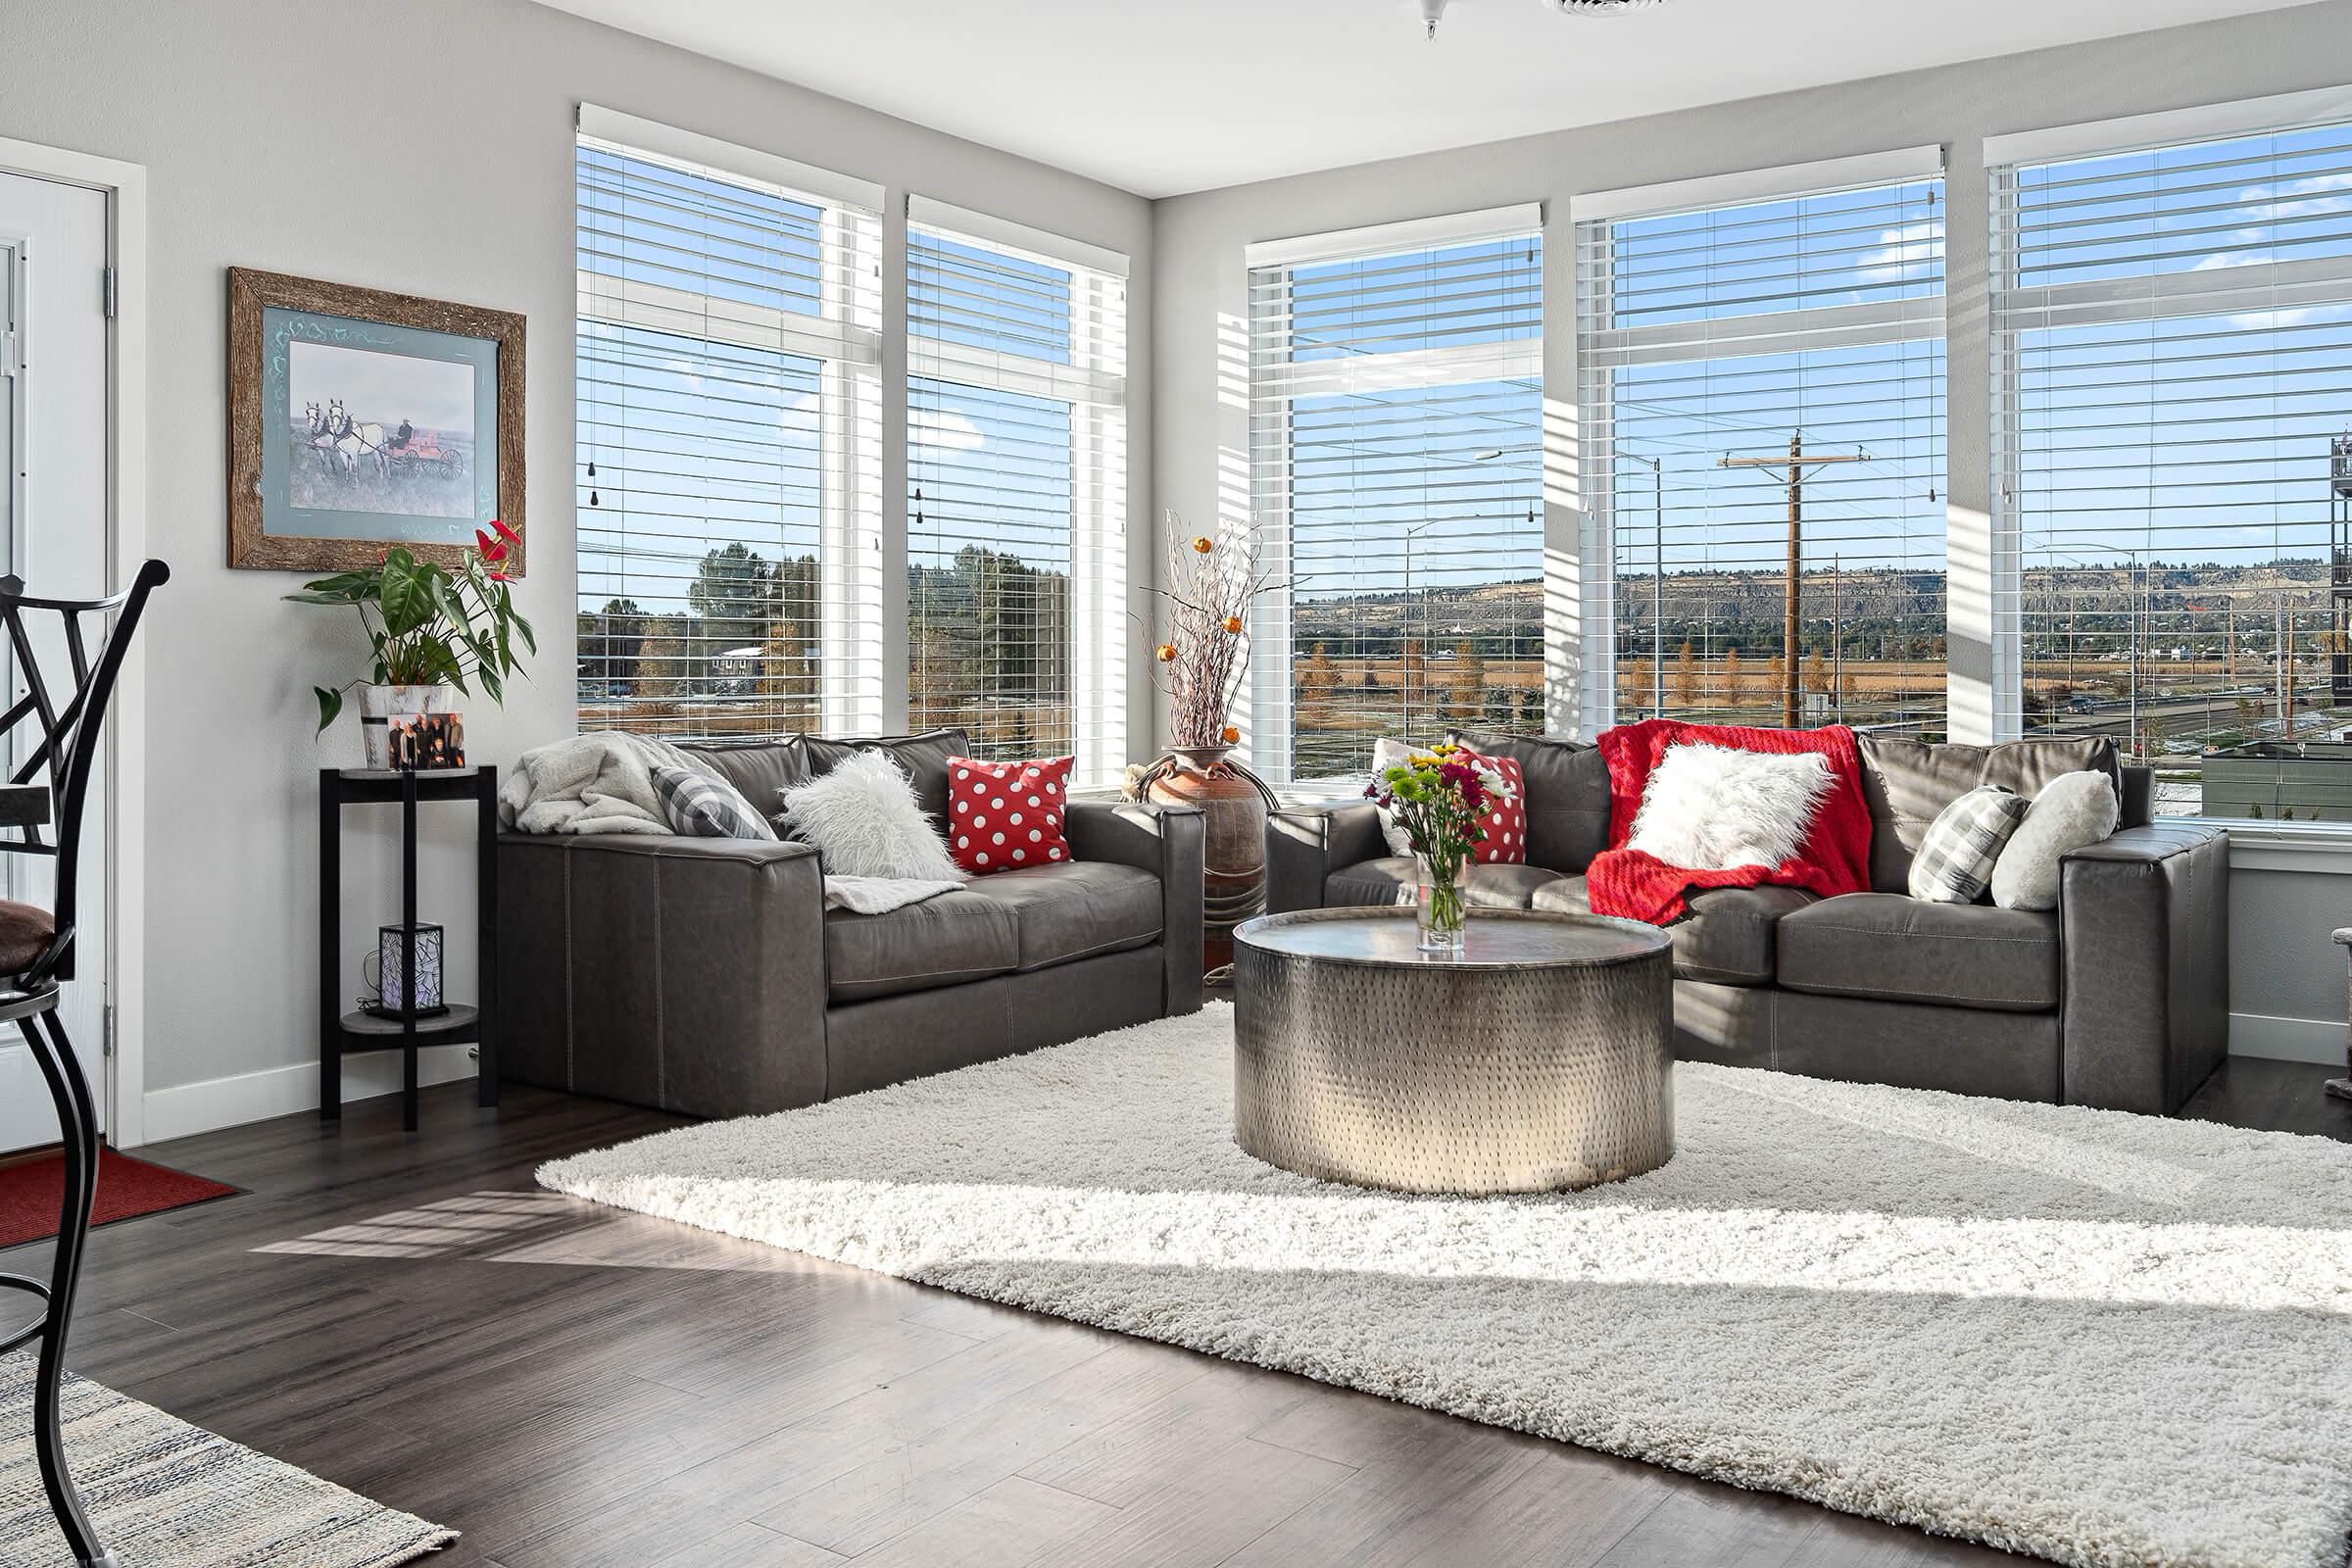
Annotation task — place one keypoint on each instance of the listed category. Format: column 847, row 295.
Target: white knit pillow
column 863, row 818
column 1711, row 807
column 2073, row 811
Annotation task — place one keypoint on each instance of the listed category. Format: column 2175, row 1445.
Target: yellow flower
column 1165, row 653
column 1201, row 544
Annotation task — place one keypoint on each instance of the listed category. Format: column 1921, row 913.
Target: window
column 1396, row 435
column 1016, row 473
column 2173, row 392
column 727, row 365
column 1763, row 450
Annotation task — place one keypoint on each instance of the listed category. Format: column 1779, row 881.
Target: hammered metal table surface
column 1541, row 1058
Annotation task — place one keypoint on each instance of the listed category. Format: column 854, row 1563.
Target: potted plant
column 433, row 628
column 1438, row 798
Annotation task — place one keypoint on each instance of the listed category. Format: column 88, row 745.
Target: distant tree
column 1416, row 683
column 1817, row 672
column 1318, row 685
column 1465, row 685
column 1684, row 680
column 610, row 642
column 1500, row 706
column 1731, row 672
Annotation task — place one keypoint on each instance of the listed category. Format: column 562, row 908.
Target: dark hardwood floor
column 575, row 1388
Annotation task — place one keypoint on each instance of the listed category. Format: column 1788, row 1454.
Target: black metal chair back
column 72, row 722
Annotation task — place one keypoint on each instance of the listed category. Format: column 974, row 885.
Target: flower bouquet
column 1438, row 797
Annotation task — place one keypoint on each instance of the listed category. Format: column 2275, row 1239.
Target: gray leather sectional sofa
column 707, row 976
column 2119, row 999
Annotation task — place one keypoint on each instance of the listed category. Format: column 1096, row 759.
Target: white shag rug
column 2096, row 1338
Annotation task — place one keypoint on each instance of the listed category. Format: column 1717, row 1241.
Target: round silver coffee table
column 1541, row 1058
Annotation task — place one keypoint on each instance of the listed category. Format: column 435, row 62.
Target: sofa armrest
column 1305, row 843
column 2146, row 932
column 1171, row 843
column 681, row 972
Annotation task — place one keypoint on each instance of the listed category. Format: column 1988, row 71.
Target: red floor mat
column 127, row 1188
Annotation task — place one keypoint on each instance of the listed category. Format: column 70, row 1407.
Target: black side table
column 340, row 1031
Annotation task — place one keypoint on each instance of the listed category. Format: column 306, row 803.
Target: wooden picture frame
column 360, row 419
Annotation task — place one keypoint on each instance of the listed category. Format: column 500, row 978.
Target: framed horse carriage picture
column 361, row 420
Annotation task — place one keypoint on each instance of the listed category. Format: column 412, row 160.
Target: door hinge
column 106, row 290
column 106, row 1029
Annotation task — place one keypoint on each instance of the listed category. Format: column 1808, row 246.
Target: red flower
column 490, row 549
column 506, row 533
column 500, row 577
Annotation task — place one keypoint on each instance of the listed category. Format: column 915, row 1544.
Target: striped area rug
column 166, row 1495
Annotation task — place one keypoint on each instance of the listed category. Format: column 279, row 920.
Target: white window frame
column 850, row 683
column 1602, row 350
column 1276, row 381
column 1096, row 392
column 2258, row 286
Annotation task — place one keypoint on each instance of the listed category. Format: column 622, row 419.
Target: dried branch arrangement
column 1204, row 656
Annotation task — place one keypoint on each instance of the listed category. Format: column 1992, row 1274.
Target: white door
column 53, row 505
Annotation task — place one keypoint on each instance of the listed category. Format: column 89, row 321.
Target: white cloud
column 943, row 430
column 2266, row 206
column 1902, row 253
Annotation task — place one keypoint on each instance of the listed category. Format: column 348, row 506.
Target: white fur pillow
column 2073, row 811
column 863, row 818
column 1711, row 807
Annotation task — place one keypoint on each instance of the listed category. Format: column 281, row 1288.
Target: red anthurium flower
column 500, row 577
column 490, row 549
column 506, row 533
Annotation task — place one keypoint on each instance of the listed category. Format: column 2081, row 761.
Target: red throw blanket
column 1835, row 858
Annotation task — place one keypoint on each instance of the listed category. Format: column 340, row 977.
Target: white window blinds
column 728, row 416
column 1726, row 347
column 2173, row 392
column 1017, row 471
column 1395, row 409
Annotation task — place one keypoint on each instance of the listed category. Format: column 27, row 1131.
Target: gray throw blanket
column 601, row 783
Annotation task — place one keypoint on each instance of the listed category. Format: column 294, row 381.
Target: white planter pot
column 426, row 718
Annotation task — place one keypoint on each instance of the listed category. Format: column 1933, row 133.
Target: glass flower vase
column 1441, row 901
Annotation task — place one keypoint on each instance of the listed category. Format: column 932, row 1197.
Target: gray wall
column 2283, row 919
column 426, row 150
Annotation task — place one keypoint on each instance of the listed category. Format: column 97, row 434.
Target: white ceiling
column 1166, row 96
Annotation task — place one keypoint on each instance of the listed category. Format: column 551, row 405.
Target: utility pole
column 1796, row 463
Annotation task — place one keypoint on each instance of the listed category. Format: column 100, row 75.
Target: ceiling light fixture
column 1599, row 8
column 1431, row 11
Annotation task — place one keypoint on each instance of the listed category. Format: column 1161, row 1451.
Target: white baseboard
column 2254, row 1034
column 186, row 1110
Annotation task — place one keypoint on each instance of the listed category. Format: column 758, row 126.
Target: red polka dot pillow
column 1506, row 820
column 1004, row 816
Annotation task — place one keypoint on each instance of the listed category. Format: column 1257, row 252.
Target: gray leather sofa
column 2119, row 999
column 707, row 976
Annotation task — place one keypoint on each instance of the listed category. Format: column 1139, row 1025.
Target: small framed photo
column 361, row 420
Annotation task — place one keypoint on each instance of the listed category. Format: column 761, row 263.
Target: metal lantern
column 403, row 953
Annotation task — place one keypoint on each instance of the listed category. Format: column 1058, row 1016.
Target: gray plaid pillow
column 700, row 806
column 1955, row 861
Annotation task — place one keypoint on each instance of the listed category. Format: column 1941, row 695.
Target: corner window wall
column 728, row 441
column 1760, row 451
column 1396, row 435
column 2173, row 439
column 1016, row 491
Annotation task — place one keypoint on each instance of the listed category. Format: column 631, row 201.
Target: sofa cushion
column 1075, row 910
column 1886, row 946
column 1389, row 881
column 944, row 941
column 1567, row 796
column 1727, row 938
column 1907, row 783
column 757, row 769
